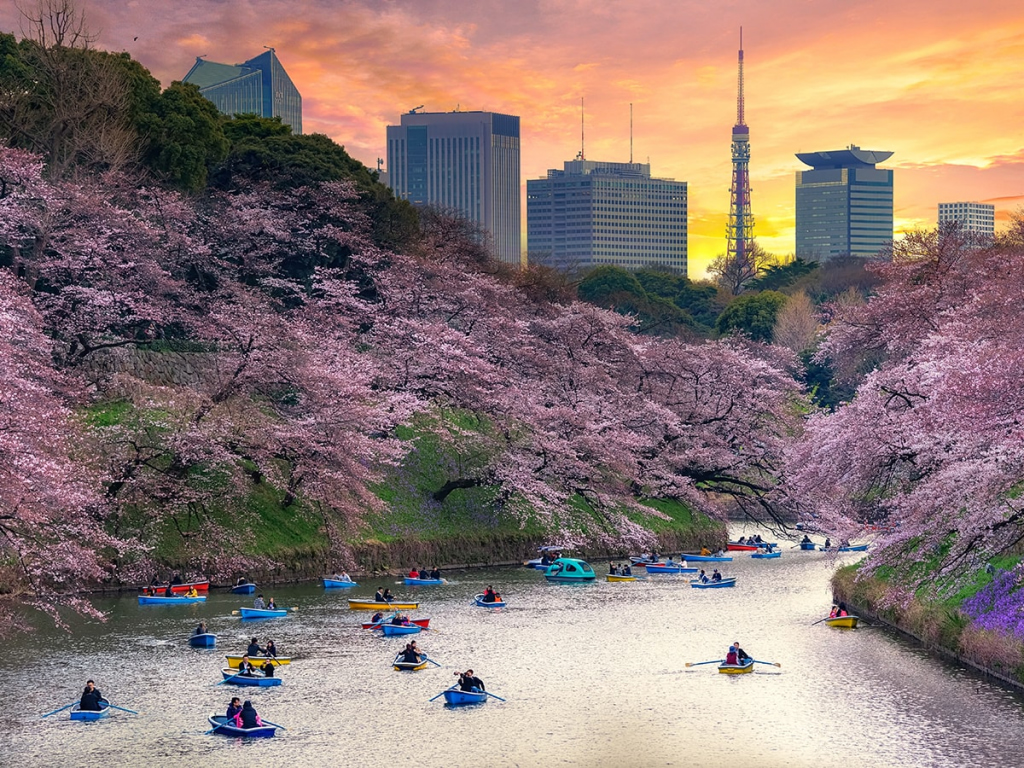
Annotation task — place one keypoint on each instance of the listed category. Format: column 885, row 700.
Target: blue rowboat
column 392, row 630
column 176, row 600
column 90, row 714
column 730, row 582
column 807, row 546
column 411, row 582
column 225, row 727
column 570, row 570
column 263, row 613
column 663, row 568
column 709, row 558
column 766, row 555
column 205, row 640
column 258, row 680
column 244, row 589
column 857, row 548
column 338, row 583
column 457, row 698
column 496, row 604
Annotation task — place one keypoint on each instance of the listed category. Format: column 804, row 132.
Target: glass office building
column 972, row 217
column 258, row 86
column 844, row 206
column 464, row 161
column 594, row 213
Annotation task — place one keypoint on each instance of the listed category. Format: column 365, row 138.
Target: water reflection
column 594, row 675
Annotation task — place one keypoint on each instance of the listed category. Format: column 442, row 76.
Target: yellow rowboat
column 408, row 666
column 258, row 661
column 372, row 605
column 737, row 669
column 844, row 622
column 617, row 577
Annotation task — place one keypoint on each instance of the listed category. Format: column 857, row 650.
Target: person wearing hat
column 469, row 682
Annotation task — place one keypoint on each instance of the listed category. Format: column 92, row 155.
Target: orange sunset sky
column 938, row 82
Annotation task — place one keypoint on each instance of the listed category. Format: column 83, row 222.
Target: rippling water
column 594, row 675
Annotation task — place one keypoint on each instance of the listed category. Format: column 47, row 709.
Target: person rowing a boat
column 201, row 629
column 91, row 698
column 410, row 654
column 435, row 573
column 254, row 648
column 490, row 596
column 234, row 708
column 702, row 577
column 258, row 603
column 248, row 717
column 737, row 655
column 414, row 573
column 377, row 618
column 469, row 682
column 806, row 539
column 716, row 576
column 704, row 552
column 245, row 667
column 627, row 570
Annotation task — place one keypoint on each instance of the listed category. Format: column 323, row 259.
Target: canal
column 594, row 675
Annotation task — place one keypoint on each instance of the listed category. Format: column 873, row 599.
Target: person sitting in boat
column 716, row 576
column 806, row 539
column 844, row 543
column 168, row 591
column 177, row 580
column 377, row 618
column 254, row 648
column 378, row 596
column 435, row 573
column 241, row 580
column 828, row 543
column 268, row 668
column 470, row 682
column 396, row 620
column 613, row 569
column 413, row 573
column 234, row 708
column 842, row 610
column 490, row 596
column 343, row 577
column 741, row 655
column 192, row 592
column 201, row 629
column 271, row 605
column 545, row 560
column 388, row 597
column 248, row 717
column 704, row 552
column 730, row 657
column 245, row 667
column 258, row 603
column 627, row 570
column 834, row 612
column 703, row 577
column 271, row 650
column 758, row 540
column 410, row 654
column 742, row 540
column 91, row 698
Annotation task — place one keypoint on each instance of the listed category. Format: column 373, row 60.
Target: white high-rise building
column 465, row 161
column 972, row 217
column 594, row 213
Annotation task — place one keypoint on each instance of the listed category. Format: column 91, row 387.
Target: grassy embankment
column 468, row 527
column 936, row 620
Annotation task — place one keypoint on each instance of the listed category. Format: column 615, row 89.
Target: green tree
column 752, row 314
column 778, row 277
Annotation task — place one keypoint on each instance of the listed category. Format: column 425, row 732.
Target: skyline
column 935, row 83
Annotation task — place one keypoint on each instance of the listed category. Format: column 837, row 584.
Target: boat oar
column 821, row 620
column 267, row 722
column 123, row 709
column 699, row 663
column 769, row 663
column 217, row 727
column 61, row 709
column 442, row 693
column 228, row 679
column 427, row 658
column 493, row 696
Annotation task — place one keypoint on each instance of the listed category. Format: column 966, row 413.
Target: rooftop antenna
column 582, row 135
column 413, row 110
column 631, row 133
column 272, row 50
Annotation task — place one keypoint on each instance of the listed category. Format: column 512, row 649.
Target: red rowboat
column 732, row 547
column 180, row 589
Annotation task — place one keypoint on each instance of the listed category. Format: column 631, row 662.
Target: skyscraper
column 843, row 206
column 972, row 217
column 740, row 229
column 594, row 213
column 258, row 86
column 466, row 161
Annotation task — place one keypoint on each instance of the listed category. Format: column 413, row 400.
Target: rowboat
column 244, row 589
column 737, row 669
column 263, row 613
column 547, row 553
column 224, row 726
column 338, row 583
column 90, row 714
column 411, row 582
column 844, row 622
column 393, row 630
column 371, row 605
column 176, row 600
column 425, row 623
column 730, row 582
column 664, row 568
column 732, row 546
column 456, row 698
column 709, row 558
column 571, row 570
column 766, row 555
column 642, row 560
column 259, row 680
column 180, row 589
column 620, row 577
column 808, row 546
column 409, row 666
column 259, row 661
column 493, row 604
column 856, row 548
column 205, row 640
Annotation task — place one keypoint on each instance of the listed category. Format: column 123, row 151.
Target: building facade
column 465, row 161
column 972, row 217
column 595, row 213
column 258, row 86
column 844, row 206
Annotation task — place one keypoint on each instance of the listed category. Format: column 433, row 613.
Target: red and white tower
column 740, row 229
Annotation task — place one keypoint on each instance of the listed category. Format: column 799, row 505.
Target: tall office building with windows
column 465, row 161
column 844, row 205
column 972, row 217
column 258, row 86
column 593, row 213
